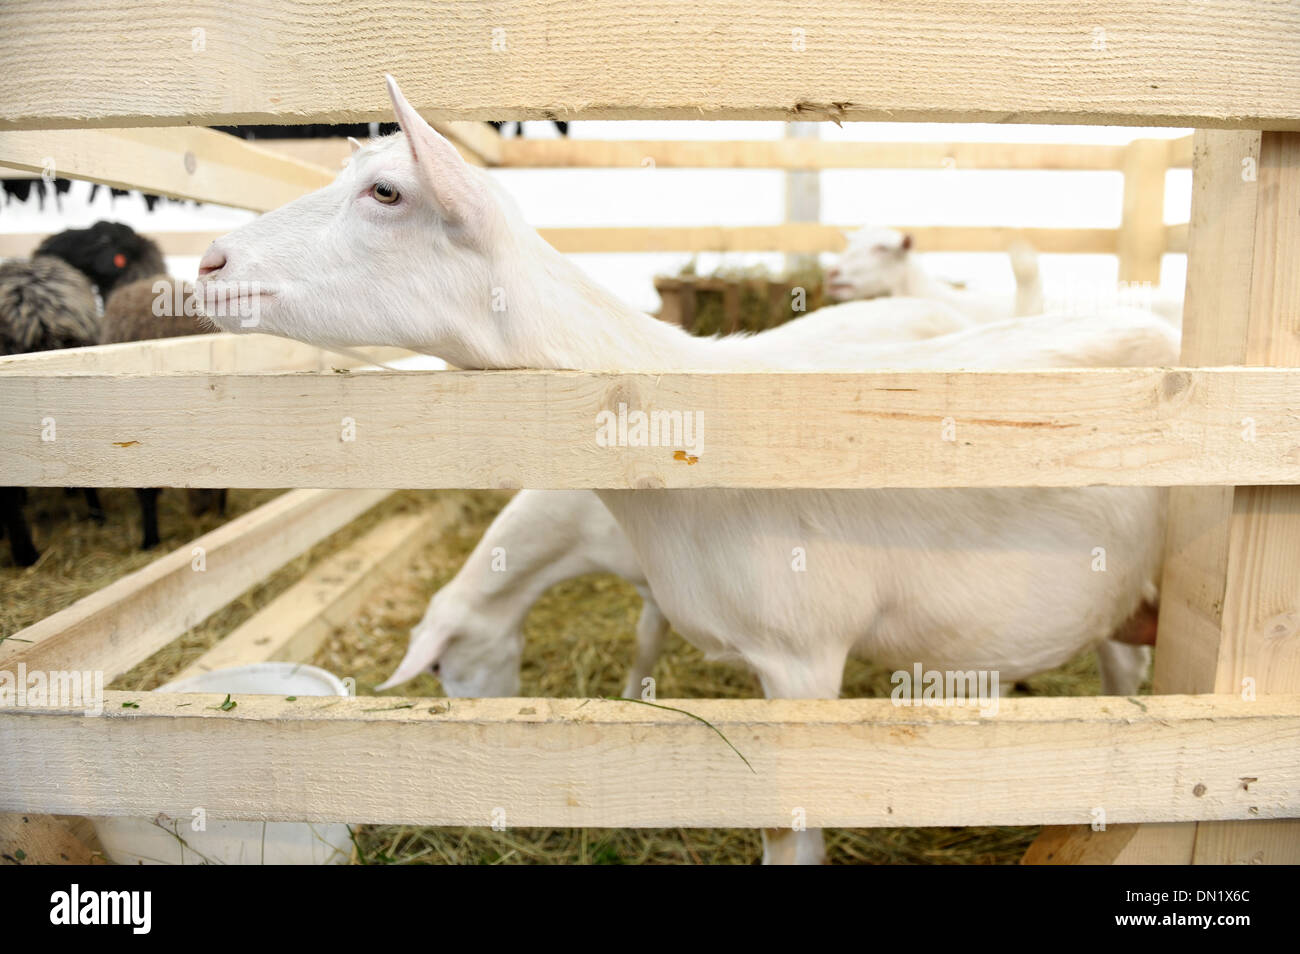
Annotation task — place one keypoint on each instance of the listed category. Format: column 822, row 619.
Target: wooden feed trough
column 1208, row 770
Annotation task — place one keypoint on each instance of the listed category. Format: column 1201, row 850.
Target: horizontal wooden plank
column 787, row 237
column 298, row 621
column 332, row 153
column 812, row 237
column 1230, row 63
column 806, row 154
column 223, row 352
column 1131, row 426
column 596, row 763
column 481, row 141
column 189, row 163
column 116, row 627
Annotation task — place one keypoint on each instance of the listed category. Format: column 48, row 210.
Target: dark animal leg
column 148, row 497
column 20, row 537
column 92, row 504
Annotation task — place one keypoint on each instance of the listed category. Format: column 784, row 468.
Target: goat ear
column 907, row 242
column 422, row 652
column 461, row 196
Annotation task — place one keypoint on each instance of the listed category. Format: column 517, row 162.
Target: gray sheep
column 45, row 304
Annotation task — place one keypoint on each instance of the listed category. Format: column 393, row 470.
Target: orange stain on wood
column 125, row 443
column 688, row 458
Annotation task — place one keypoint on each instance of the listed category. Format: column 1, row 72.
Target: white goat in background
column 412, row 247
column 879, row 262
column 472, row 633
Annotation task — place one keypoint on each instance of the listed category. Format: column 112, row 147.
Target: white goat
column 412, row 247
column 472, row 632
column 878, row 262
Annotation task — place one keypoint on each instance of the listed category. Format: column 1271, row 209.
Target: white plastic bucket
column 172, row 841
column 264, row 679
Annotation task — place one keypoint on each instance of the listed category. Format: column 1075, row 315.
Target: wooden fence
column 1206, row 771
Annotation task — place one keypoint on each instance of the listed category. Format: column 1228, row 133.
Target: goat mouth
column 225, row 302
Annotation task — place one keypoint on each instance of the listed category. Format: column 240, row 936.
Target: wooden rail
column 591, row 762
column 792, row 237
column 114, row 628
column 1179, row 63
column 1130, row 427
column 197, row 164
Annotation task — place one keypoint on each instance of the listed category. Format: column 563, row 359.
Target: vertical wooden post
column 1230, row 600
column 1142, row 225
column 1230, row 603
column 803, row 195
column 670, row 297
column 731, row 292
column 778, row 294
column 687, row 298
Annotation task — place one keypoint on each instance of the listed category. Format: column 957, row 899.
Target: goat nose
column 833, row 274
column 213, row 260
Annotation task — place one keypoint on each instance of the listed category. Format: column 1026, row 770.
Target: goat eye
column 385, row 193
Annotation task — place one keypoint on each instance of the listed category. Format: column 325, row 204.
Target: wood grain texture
column 116, row 627
column 200, row 164
column 595, row 763
column 505, row 429
column 1231, row 593
column 1259, row 639
column 1230, row 598
column 298, row 621
column 1183, row 62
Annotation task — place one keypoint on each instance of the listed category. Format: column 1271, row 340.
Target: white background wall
column 651, row 196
